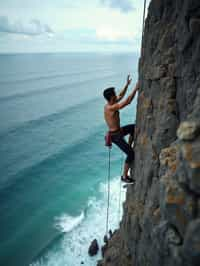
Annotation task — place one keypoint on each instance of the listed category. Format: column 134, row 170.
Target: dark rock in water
column 94, row 248
column 82, row 262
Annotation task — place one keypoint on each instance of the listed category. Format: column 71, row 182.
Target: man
column 112, row 118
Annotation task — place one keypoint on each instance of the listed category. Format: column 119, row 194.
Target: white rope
column 108, row 191
column 120, row 191
column 143, row 23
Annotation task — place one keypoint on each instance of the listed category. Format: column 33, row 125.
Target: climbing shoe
column 127, row 179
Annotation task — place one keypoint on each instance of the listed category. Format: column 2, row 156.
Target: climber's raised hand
column 128, row 80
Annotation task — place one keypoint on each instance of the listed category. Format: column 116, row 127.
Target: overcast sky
column 67, row 25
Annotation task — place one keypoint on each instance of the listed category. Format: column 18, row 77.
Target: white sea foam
column 73, row 248
column 66, row 223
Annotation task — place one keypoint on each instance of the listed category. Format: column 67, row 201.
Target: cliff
column 161, row 218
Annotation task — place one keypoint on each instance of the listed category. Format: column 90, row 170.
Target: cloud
column 33, row 28
column 113, row 34
column 101, row 34
column 125, row 6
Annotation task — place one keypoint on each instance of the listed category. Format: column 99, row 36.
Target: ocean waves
column 66, row 147
column 72, row 248
column 53, row 156
column 66, row 223
column 65, row 85
column 33, row 104
column 48, row 118
column 51, row 75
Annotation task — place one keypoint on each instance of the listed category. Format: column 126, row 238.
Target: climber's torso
column 112, row 118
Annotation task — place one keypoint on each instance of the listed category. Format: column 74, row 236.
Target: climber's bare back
column 112, row 118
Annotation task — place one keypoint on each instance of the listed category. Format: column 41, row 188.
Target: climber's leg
column 129, row 129
column 119, row 140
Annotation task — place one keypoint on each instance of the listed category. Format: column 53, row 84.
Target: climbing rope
column 108, row 191
column 143, row 23
column 144, row 14
column 120, row 191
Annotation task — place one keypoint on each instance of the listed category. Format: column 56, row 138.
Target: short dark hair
column 108, row 93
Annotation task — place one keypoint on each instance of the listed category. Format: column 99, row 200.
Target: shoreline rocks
column 93, row 248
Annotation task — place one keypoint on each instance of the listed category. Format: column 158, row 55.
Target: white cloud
column 124, row 5
column 34, row 27
column 88, row 26
column 111, row 34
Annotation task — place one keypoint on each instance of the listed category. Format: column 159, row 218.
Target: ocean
column 54, row 164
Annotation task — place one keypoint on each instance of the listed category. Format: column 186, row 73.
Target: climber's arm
column 128, row 100
column 124, row 90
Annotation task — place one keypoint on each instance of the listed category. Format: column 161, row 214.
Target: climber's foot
column 127, row 179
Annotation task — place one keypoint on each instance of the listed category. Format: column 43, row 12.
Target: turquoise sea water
column 53, row 163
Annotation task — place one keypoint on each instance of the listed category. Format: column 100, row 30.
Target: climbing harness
column 108, row 140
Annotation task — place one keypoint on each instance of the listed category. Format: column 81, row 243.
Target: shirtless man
column 112, row 118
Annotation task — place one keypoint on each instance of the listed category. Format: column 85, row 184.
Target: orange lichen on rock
column 143, row 139
column 173, row 198
column 168, row 157
column 189, row 154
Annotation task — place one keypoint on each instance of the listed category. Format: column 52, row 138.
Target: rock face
column 161, row 218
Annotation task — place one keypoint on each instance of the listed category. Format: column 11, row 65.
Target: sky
column 31, row 26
